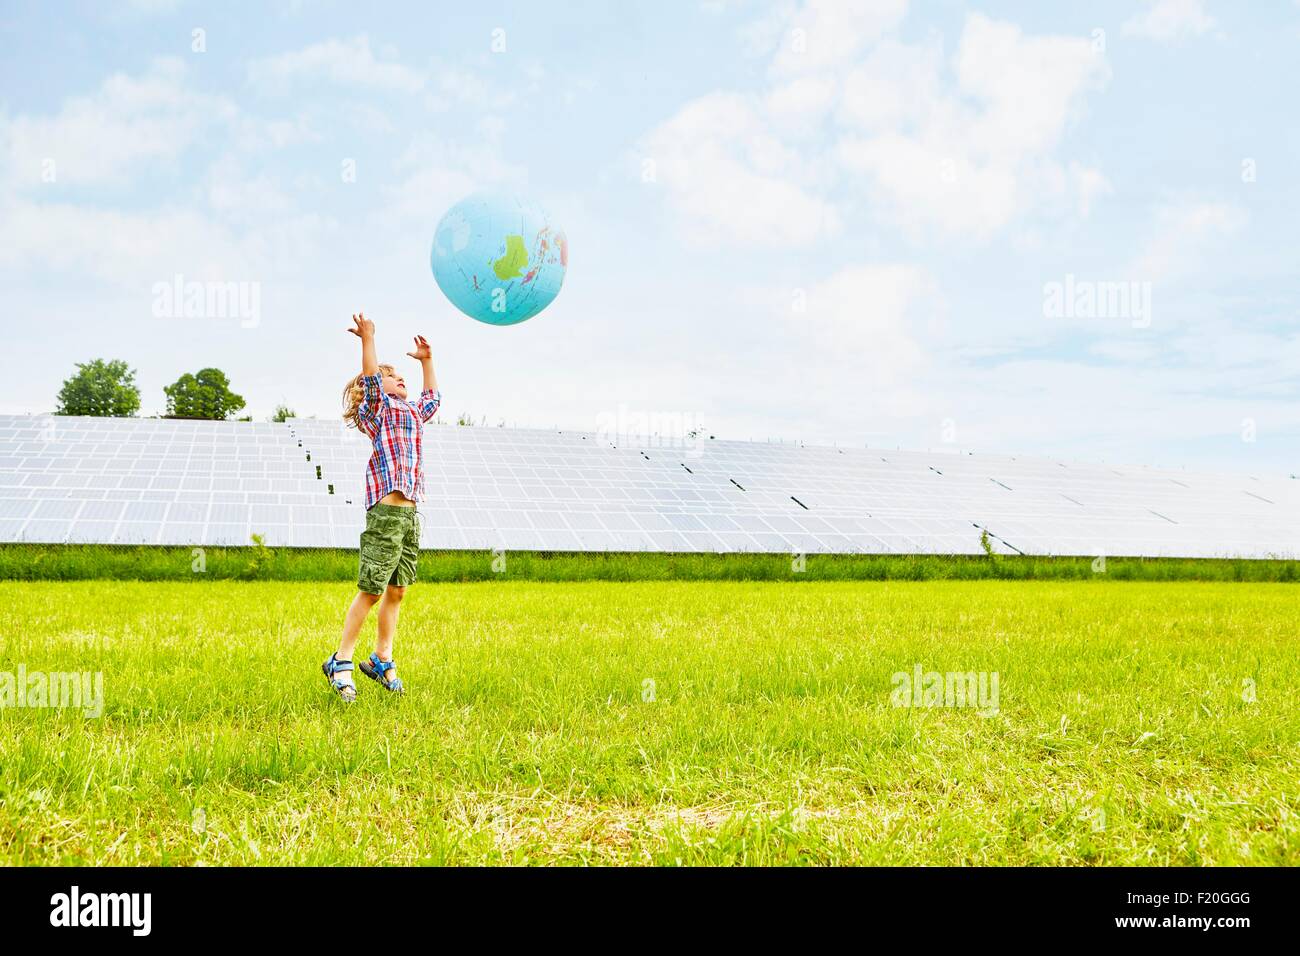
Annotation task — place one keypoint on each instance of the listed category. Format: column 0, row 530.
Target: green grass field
column 77, row 562
column 659, row 723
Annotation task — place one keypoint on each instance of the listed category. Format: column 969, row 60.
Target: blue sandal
column 345, row 689
column 376, row 670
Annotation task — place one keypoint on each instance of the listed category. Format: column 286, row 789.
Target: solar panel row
column 132, row 481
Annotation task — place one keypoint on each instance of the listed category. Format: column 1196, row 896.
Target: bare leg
column 388, row 610
column 356, row 616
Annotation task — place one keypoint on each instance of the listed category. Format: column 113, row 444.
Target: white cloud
column 923, row 184
column 760, row 37
column 732, row 178
column 237, row 193
column 231, row 221
column 897, row 85
column 344, row 62
column 145, row 247
column 1027, row 85
column 872, row 317
column 454, row 86
column 153, row 6
column 824, row 34
column 1186, row 233
column 434, row 173
column 970, row 157
column 802, row 102
column 1252, row 363
column 353, row 64
column 1126, row 351
column 1087, row 184
column 110, row 136
column 961, row 146
column 128, row 128
column 1169, row 20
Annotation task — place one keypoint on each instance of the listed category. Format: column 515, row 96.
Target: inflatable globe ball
column 499, row 259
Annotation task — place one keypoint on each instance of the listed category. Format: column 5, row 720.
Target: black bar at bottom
column 229, row 905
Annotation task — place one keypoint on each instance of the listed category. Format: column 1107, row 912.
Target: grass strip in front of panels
column 658, row 722
column 40, row 562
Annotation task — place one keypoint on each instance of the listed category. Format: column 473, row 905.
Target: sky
column 1027, row 228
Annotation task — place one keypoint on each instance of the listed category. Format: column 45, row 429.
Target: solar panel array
column 149, row 481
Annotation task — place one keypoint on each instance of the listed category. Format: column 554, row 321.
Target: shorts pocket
column 380, row 552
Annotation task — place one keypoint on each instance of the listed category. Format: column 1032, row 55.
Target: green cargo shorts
column 390, row 547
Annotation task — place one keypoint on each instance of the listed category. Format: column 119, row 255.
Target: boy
column 375, row 403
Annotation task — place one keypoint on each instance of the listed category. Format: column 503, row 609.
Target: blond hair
column 354, row 392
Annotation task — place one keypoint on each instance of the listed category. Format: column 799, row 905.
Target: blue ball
column 499, row 259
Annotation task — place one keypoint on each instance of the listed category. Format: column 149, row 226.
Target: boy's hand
column 422, row 350
column 364, row 328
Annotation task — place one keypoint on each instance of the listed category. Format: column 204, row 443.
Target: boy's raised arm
column 424, row 355
column 364, row 329
column 430, row 397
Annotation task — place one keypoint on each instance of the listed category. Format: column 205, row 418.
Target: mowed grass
column 659, row 723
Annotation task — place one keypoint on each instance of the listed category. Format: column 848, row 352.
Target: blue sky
column 827, row 220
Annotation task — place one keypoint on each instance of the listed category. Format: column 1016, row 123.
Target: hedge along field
column 658, row 723
column 32, row 562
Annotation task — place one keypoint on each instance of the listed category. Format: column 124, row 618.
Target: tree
column 283, row 413
column 206, row 394
column 99, row 388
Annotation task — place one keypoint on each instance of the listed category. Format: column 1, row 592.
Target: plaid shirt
column 396, row 429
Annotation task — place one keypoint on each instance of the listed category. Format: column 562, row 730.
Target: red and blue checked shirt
column 396, row 429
